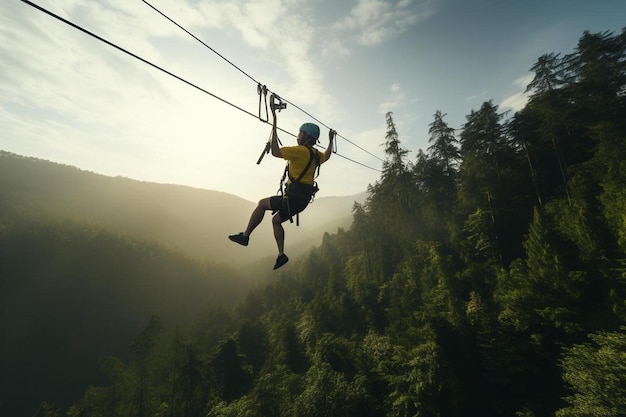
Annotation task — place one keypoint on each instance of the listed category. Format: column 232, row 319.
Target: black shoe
column 240, row 238
column 280, row 261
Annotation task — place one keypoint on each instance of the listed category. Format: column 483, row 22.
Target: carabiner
column 276, row 103
column 262, row 91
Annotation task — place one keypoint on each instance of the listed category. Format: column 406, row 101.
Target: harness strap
column 313, row 155
column 306, row 168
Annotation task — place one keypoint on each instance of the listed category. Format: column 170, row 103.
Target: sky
column 72, row 99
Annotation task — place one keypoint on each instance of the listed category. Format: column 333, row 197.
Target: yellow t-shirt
column 298, row 157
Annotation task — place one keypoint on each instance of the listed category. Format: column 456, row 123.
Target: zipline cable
column 200, row 40
column 145, row 61
column 357, row 162
column 327, row 127
column 252, row 78
column 101, row 39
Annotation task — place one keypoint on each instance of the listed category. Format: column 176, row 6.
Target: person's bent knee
column 264, row 203
column 277, row 219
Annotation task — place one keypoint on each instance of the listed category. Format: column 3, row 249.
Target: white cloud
column 481, row 96
column 372, row 22
column 278, row 35
column 523, row 81
column 395, row 100
column 517, row 101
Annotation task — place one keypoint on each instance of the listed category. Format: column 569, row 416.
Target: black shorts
column 297, row 203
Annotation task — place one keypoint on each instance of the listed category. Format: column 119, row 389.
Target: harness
column 296, row 187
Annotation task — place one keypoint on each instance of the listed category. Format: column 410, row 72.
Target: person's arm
column 329, row 151
column 274, row 144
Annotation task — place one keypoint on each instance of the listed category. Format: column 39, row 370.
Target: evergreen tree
column 47, row 410
column 596, row 375
column 233, row 377
column 481, row 144
column 395, row 196
column 601, row 74
column 550, row 74
column 443, row 148
column 394, row 166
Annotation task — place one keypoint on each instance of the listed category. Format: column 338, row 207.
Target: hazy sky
column 72, row 99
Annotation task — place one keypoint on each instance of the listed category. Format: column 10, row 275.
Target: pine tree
column 443, row 148
column 596, row 375
column 549, row 72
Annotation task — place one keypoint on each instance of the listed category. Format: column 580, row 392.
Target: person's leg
column 296, row 205
column 257, row 215
column 255, row 219
column 279, row 235
column 279, row 232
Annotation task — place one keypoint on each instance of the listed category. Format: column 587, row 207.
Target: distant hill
column 71, row 295
column 192, row 220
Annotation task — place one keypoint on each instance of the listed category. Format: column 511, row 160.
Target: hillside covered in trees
column 485, row 278
column 71, row 294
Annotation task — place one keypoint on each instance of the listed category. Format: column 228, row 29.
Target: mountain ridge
column 193, row 220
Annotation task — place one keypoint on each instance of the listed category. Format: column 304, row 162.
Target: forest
column 485, row 277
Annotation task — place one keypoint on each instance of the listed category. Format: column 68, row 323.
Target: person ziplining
column 300, row 186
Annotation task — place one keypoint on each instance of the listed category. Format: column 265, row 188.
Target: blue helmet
column 311, row 129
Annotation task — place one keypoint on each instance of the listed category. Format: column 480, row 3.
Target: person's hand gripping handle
column 331, row 140
column 272, row 144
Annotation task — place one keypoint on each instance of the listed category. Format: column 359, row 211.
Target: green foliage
column 329, row 393
column 541, row 291
column 443, row 148
column 47, row 410
column 611, row 158
column 549, row 74
column 596, row 375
